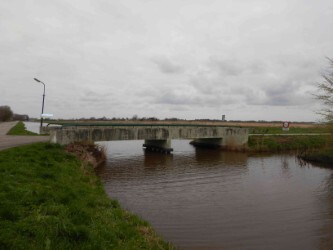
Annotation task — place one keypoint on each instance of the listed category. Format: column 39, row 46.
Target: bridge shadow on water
column 131, row 161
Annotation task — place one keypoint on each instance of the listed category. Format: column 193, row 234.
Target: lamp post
column 41, row 119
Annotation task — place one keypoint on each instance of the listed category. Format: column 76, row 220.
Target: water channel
column 209, row 199
column 32, row 126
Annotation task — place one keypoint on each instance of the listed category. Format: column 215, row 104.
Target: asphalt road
column 9, row 141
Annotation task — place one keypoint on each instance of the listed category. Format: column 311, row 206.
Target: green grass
column 314, row 148
column 20, row 129
column 51, row 200
column 292, row 130
column 276, row 143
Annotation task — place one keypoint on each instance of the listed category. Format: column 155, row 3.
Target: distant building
column 17, row 117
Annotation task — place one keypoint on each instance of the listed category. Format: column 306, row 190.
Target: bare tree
column 326, row 93
column 6, row 114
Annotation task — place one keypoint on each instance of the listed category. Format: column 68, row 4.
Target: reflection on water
column 208, row 199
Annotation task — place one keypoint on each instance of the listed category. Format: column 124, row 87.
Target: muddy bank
column 88, row 152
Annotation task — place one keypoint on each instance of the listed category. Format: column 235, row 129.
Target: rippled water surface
column 208, row 199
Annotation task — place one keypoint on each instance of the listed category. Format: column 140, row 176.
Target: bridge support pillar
column 208, row 142
column 163, row 146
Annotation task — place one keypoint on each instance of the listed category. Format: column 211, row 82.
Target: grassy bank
column 313, row 148
column 51, row 200
column 322, row 157
column 278, row 143
column 292, row 130
column 20, row 129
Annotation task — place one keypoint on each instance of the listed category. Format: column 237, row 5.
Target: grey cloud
column 173, row 97
column 255, row 83
column 227, row 67
column 93, row 56
column 204, row 85
column 92, row 96
column 166, row 66
column 278, row 94
column 286, row 95
column 97, row 98
column 192, row 98
column 234, row 67
column 257, row 67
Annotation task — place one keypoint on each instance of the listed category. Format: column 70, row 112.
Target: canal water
column 32, row 126
column 209, row 199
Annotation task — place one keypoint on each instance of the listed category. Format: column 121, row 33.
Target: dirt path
column 9, row 141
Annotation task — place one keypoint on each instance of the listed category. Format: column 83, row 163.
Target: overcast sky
column 247, row 59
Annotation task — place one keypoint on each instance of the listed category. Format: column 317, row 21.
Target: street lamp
column 41, row 119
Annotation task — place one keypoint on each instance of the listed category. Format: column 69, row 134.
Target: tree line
column 6, row 114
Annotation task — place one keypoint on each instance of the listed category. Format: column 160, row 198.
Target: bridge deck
column 83, row 124
column 154, row 133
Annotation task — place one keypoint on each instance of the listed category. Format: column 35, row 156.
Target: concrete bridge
column 156, row 136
